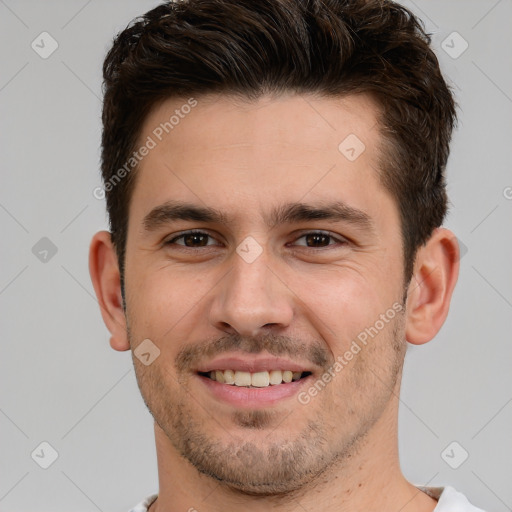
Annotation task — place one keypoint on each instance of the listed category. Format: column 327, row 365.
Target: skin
column 299, row 299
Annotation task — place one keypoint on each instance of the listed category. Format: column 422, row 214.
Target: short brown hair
column 249, row 48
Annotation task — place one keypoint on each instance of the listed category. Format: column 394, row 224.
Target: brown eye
column 191, row 239
column 319, row 239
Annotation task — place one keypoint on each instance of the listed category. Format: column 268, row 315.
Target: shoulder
column 450, row 500
column 143, row 506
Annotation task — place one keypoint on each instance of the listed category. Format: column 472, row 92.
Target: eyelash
column 341, row 241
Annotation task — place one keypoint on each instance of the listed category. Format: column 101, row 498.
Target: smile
column 254, row 380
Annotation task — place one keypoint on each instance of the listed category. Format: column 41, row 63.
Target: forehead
column 217, row 120
column 229, row 153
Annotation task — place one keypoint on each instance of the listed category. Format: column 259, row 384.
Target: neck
column 369, row 479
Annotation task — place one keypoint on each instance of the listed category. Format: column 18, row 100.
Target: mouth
column 262, row 379
column 254, row 382
column 253, row 390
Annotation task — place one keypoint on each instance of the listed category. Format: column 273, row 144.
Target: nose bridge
column 251, row 296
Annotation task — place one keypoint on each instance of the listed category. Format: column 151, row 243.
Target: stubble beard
column 277, row 468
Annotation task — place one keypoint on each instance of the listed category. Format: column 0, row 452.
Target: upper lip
column 252, row 365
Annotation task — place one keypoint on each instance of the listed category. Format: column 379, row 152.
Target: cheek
column 161, row 299
column 157, row 385
column 341, row 304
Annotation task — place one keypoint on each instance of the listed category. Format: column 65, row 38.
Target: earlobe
column 106, row 279
column 436, row 271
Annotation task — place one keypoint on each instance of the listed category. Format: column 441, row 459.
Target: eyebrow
column 285, row 214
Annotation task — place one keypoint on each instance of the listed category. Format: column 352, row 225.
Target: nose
column 252, row 298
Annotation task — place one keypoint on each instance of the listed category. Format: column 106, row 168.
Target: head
column 245, row 108
column 330, row 48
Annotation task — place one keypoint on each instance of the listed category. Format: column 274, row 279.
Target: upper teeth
column 257, row 379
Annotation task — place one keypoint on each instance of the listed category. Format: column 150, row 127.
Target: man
column 274, row 176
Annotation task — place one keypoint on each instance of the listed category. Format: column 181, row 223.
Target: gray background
column 61, row 381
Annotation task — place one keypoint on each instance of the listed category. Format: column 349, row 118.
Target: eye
column 196, row 239
column 192, row 239
column 320, row 239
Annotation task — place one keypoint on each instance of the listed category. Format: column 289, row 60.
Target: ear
column 106, row 280
column 436, row 270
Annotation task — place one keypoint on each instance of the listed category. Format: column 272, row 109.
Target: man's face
column 256, row 286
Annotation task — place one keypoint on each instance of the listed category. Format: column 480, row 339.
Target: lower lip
column 249, row 398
